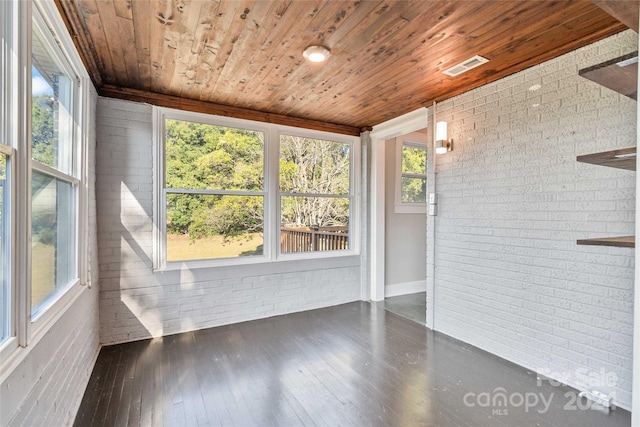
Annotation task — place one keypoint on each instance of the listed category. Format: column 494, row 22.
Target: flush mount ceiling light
column 316, row 53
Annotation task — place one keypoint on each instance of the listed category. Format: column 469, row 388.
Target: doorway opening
column 405, row 204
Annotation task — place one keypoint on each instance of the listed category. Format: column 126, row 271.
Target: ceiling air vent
column 465, row 66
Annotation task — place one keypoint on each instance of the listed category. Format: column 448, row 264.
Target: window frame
column 9, row 245
column 400, row 206
column 77, row 147
column 9, row 134
column 160, row 191
column 27, row 329
column 353, row 218
column 271, row 191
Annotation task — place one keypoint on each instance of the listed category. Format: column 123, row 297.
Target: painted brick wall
column 46, row 388
column 509, row 276
column 135, row 301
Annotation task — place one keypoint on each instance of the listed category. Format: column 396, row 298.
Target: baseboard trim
column 405, row 288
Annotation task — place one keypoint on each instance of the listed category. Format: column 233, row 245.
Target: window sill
column 411, row 209
column 285, row 264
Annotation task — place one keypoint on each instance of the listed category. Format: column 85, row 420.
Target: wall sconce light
column 443, row 143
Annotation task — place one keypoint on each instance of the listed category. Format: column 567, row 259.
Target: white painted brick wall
column 48, row 385
column 46, row 388
column 509, row 276
column 135, row 301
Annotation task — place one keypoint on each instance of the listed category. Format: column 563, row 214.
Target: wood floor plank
column 123, row 405
column 350, row 365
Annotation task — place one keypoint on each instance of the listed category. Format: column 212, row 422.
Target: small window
column 414, row 173
column 315, row 194
column 410, row 192
column 214, row 191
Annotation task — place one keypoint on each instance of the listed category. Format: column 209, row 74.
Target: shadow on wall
column 123, row 316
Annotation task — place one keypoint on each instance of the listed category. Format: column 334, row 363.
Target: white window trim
column 418, row 140
column 354, row 200
column 28, row 330
column 43, row 15
column 271, row 191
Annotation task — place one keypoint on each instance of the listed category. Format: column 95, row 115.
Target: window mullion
column 23, row 176
column 214, row 192
column 272, row 199
column 327, row 195
column 414, row 175
column 7, row 150
column 35, row 165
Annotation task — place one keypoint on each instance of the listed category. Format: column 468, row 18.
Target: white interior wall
column 509, row 277
column 375, row 214
column 137, row 302
column 405, row 252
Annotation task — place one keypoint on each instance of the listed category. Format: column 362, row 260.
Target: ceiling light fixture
column 316, row 53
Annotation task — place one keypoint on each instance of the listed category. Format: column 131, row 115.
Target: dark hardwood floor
column 411, row 306
column 350, row 365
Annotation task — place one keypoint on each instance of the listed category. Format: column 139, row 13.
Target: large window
column 43, row 178
column 54, row 186
column 214, row 191
column 233, row 191
column 314, row 194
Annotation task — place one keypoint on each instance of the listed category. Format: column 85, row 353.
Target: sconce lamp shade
column 441, row 131
column 443, row 143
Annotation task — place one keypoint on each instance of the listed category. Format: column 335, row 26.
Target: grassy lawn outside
column 42, row 272
column 181, row 248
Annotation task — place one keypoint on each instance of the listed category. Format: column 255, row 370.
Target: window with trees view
column 54, row 185
column 314, row 194
column 43, row 176
column 215, row 200
column 414, row 173
column 214, row 189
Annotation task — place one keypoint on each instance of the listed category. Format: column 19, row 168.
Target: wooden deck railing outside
column 304, row 239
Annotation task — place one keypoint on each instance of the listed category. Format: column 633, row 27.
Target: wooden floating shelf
column 624, row 158
column 622, row 242
column 619, row 74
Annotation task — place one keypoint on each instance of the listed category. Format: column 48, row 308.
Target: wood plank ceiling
column 244, row 57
